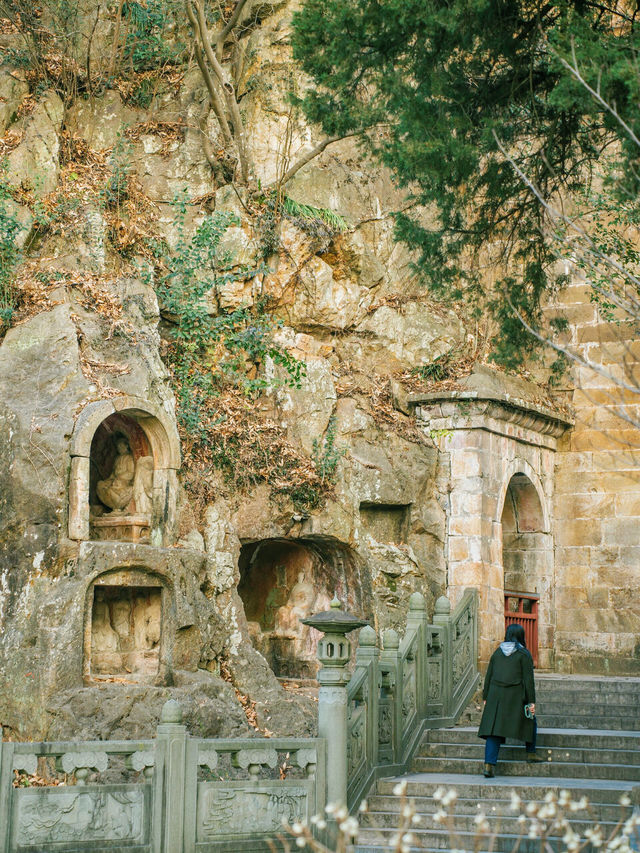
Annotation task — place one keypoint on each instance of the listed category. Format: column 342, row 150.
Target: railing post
column 417, row 621
column 442, row 617
column 6, row 782
column 172, row 743
column 367, row 655
column 389, row 663
column 334, row 651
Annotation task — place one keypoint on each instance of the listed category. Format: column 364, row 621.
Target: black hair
column 515, row 633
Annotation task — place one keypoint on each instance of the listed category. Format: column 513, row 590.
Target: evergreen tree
column 442, row 81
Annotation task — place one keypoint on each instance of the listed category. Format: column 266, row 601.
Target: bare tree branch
column 233, row 20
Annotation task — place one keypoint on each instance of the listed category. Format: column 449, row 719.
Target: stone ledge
column 460, row 407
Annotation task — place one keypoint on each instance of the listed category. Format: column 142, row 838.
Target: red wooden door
column 521, row 608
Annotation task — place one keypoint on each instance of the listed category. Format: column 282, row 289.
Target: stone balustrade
column 181, row 794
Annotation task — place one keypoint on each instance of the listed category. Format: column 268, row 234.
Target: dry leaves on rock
column 10, row 141
column 168, row 131
column 387, row 416
column 34, row 780
column 248, row 705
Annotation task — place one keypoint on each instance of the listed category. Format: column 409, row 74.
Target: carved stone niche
column 124, row 628
column 386, row 522
column 285, row 580
column 124, row 458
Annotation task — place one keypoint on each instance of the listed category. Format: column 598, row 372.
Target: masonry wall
column 597, row 501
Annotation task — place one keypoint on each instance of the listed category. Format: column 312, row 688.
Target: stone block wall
column 597, row 499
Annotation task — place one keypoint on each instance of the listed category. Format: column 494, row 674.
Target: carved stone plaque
column 236, row 809
column 43, row 816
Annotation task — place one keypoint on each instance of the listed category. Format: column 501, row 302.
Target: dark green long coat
column 508, row 686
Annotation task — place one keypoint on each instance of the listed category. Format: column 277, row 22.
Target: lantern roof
column 334, row 620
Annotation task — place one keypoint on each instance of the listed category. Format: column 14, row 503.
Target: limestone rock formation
column 194, row 590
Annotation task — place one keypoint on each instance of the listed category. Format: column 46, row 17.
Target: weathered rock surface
column 35, row 162
column 348, row 306
column 132, row 711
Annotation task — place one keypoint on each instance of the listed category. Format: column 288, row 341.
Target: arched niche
column 126, row 626
column 284, row 580
column 124, row 457
column 524, row 538
column 527, row 559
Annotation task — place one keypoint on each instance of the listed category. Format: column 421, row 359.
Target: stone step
column 379, row 803
column 584, row 705
column 611, row 721
column 563, row 754
column 529, row 788
column 564, row 769
column 371, row 839
column 594, row 685
column 598, row 757
column 554, row 738
column 589, row 681
column 506, row 822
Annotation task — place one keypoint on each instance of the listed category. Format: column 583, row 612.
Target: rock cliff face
column 83, row 366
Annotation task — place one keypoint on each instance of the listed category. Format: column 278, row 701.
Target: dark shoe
column 534, row 758
column 489, row 771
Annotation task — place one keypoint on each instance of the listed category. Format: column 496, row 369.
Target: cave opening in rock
column 125, row 632
column 284, row 580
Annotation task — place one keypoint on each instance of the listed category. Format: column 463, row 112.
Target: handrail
column 423, row 681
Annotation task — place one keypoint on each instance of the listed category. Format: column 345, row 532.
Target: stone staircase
column 589, row 734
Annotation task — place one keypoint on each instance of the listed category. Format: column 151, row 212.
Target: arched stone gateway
column 125, row 454
column 497, row 455
column 285, row 580
column 527, row 560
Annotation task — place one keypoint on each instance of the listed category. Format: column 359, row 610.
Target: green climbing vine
column 327, row 453
column 221, row 363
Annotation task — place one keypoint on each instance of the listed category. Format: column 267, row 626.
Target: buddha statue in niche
column 125, row 497
column 116, row 490
column 299, row 605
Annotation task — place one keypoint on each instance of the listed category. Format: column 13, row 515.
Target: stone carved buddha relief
column 121, row 486
column 126, row 632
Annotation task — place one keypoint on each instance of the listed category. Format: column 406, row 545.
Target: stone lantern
column 334, row 651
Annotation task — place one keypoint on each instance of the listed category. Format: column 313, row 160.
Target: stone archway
column 126, row 432
column 527, row 558
column 486, row 441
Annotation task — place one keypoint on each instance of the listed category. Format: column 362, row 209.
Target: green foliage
column 316, row 221
column 141, row 96
column 307, row 211
column 211, row 353
column 435, row 371
column 445, row 78
column 327, row 454
column 10, row 256
column 146, row 46
column 116, row 191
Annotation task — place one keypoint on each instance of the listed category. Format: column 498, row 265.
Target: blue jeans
column 493, row 742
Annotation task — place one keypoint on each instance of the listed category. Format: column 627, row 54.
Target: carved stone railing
column 75, row 811
column 180, row 794
column 423, row 681
column 171, row 795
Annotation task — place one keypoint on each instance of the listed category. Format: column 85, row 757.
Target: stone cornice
column 466, row 409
